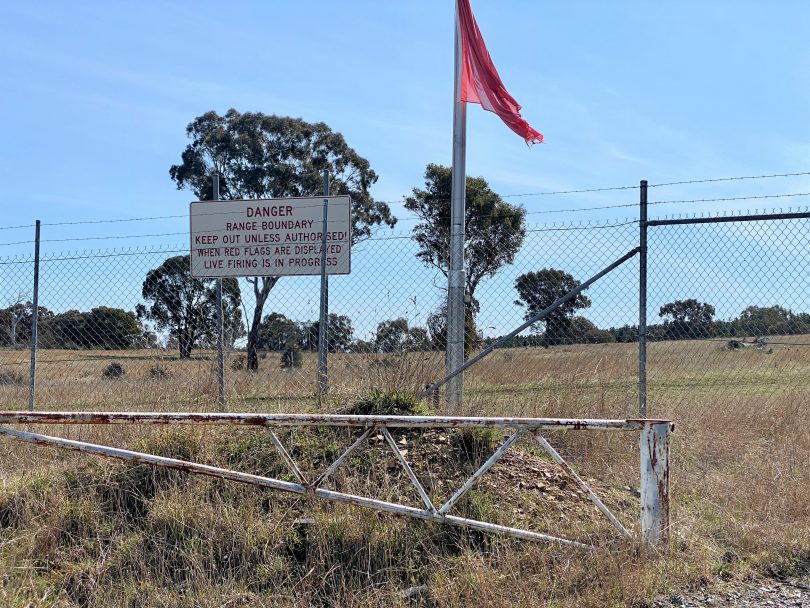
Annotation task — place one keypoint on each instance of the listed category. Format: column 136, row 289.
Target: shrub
column 384, row 403
column 113, row 370
column 239, row 363
column 475, row 445
column 9, row 378
column 291, row 357
column 158, row 372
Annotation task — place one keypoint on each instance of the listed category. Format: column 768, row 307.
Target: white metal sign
column 270, row 237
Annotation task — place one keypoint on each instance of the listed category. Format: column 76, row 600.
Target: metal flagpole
column 455, row 276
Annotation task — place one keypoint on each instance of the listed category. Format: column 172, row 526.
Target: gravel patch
column 773, row 594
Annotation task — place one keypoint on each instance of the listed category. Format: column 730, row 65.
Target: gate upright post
column 654, row 450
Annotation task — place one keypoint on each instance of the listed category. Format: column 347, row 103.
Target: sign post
column 323, row 317
column 220, row 320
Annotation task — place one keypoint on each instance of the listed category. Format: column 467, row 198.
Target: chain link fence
column 130, row 329
column 728, row 304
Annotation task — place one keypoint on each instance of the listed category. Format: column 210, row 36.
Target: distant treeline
column 684, row 320
column 102, row 327
column 109, row 328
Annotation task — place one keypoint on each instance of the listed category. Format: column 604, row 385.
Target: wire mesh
column 727, row 313
column 16, row 281
column 726, row 304
column 571, row 362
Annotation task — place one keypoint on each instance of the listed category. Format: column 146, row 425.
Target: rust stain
column 653, row 453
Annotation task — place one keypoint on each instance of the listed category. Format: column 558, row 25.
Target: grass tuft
column 388, row 403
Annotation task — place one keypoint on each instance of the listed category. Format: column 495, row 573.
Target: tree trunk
column 186, row 344
column 261, row 293
column 470, row 331
column 253, row 338
column 471, row 307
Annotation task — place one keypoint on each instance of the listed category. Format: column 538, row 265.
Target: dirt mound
column 523, row 489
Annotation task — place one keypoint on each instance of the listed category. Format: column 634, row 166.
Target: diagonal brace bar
column 334, row 466
column 481, row 470
column 531, row 321
column 583, row 486
column 287, row 458
column 151, row 459
column 416, row 484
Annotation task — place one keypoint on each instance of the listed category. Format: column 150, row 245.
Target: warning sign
column 270, row 237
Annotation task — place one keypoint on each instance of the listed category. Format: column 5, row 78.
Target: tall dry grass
column 75, row 531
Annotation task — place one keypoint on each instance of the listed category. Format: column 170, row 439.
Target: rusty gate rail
column 654, row 457
column 271, row 420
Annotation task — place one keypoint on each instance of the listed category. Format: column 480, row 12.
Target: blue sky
column 95, row 97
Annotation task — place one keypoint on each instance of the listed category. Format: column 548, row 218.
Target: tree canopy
column 338, row 333
column 266, row 156
column 437, row 329
column 494, row 232
column 103, row 327
column 391, row 335
column 685, row 319
column 186, row 306
column 397, row 336
column 539, row 290
column 277, row 332
column 770, row 320
column 494, row 229
column 15, row 321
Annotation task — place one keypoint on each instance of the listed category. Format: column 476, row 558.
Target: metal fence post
column 220, row 319
column 654, row 450
column 323, row 317
column 642, row 301
column 32, row 381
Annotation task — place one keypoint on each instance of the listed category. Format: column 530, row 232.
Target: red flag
column 480, row 82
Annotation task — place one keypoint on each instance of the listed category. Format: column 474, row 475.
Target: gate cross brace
column 287, row 458
column 581, row 483
column 481, row 470
column 411, row 475
column 333, row 467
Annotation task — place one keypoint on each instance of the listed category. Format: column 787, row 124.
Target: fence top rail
column 727, row 219
column 269, row 420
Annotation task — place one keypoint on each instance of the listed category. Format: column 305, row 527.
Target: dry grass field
column 79, row 531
